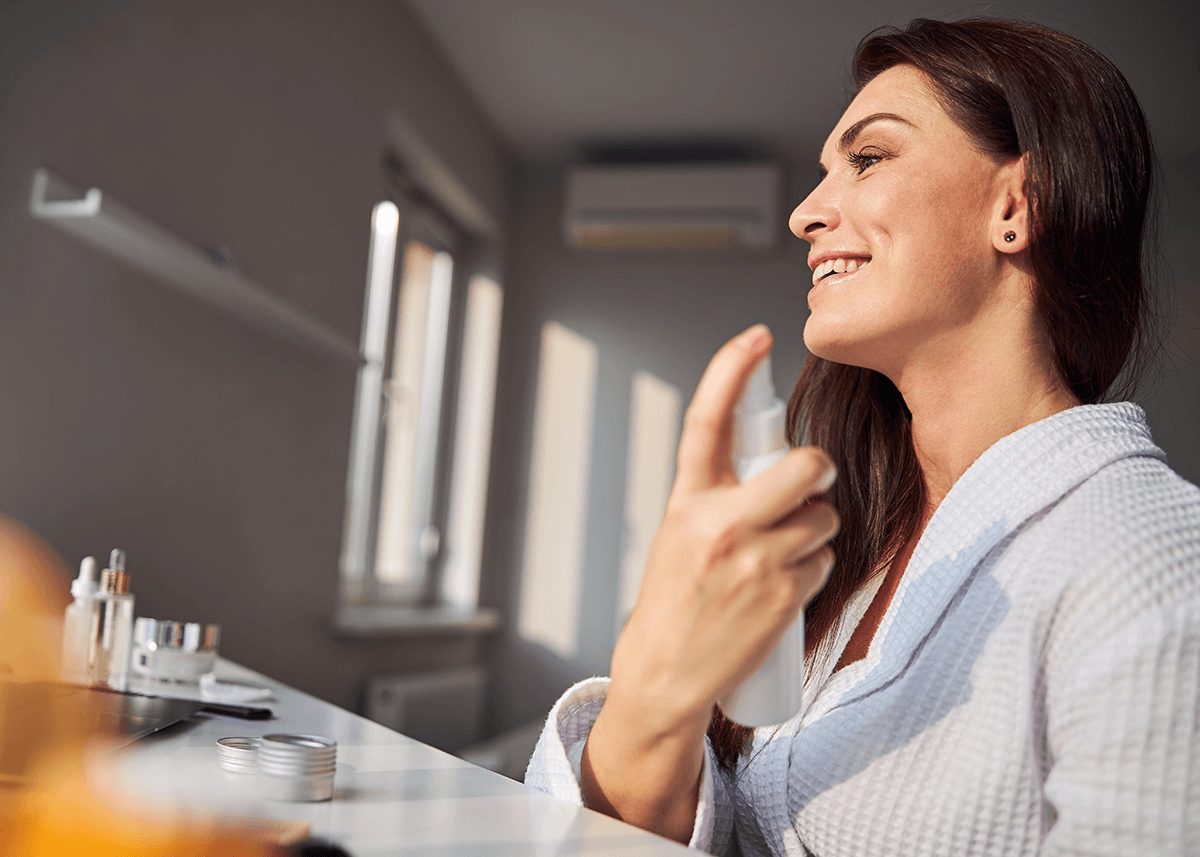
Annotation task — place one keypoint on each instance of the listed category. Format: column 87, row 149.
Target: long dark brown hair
column 1017, row 89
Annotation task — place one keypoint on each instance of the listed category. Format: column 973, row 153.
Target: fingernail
column 827, row 479
column 753, row 338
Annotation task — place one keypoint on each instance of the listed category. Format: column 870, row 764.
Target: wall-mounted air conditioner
column 673, row 206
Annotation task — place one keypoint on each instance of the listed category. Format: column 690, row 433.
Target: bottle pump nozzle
column 760, row 417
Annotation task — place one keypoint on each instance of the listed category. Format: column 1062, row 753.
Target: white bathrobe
column 1034, row 687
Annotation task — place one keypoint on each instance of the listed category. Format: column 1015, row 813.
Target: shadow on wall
column 537, row 678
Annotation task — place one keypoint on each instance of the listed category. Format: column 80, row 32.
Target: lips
column 838, row 265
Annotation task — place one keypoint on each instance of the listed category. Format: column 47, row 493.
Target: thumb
column 704, row 457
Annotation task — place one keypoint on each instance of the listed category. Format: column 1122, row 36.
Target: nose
column 818, row 212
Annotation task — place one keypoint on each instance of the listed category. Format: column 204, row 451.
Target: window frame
column 359, row 583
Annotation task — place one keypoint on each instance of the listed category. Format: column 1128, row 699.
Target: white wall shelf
column 100, row 221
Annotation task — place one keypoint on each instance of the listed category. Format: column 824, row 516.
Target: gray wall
column 1172, row 396
column 131, row 415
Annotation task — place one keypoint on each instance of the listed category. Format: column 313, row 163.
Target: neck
column 961, row 408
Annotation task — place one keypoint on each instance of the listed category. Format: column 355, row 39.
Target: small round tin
column 238, row 755
column 297, row 767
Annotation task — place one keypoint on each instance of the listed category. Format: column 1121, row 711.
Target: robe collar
column 1016, row 479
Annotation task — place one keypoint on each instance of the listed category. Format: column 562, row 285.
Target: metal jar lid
column 238, row 755
column 184, row 636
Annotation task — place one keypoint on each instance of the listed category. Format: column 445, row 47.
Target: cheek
column 881, row 214
column 946, row 224
column 966, row 197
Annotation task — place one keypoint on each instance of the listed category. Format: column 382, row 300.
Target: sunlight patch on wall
column 654, row 417
column 556, row 526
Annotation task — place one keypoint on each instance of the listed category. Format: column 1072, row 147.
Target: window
column 472, row 442
column 430, row 339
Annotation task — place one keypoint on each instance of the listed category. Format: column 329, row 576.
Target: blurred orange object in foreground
column 53, row 796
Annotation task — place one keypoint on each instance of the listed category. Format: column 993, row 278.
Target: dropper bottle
column 75, row 623
column 111, row 630
column 774, row 692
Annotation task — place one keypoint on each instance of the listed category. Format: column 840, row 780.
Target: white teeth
column 837, row 266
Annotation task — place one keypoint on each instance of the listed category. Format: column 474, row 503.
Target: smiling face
column 906, row 229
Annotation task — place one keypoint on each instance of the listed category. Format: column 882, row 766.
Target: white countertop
column 392, row 795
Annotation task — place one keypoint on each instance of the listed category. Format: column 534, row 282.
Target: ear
column 1010, row 219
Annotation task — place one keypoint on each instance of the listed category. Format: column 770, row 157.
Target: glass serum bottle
column 111, row 627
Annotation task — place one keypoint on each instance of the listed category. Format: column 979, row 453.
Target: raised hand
column 730, row 566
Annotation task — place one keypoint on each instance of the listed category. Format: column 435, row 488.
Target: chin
column 826, row 344
column 823, row 341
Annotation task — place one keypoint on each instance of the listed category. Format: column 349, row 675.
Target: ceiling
column 558, row 76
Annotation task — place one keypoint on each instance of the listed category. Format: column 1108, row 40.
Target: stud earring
column 1010, row 237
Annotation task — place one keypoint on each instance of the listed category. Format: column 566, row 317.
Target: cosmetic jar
column 173, row 651
column 296, row 767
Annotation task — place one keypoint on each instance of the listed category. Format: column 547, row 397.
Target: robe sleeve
column 554, row 767
column 1122, row 703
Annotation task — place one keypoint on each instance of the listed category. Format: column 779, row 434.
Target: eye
column 864, row 159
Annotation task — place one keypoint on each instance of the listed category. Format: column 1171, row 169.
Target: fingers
column 704, row 445
column 805, row 533
column 813, row 573
column 781, row 489
column 781, row 569
column 799, row 549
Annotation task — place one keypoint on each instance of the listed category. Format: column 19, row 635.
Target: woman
column 1006, row 659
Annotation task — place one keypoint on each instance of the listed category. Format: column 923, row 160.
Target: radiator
column 442, row 709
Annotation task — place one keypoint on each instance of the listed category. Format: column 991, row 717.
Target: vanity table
column 392, row 795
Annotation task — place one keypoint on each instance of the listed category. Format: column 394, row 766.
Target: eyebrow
column 851, row 134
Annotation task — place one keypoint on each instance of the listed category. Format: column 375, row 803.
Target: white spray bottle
column 774, row 692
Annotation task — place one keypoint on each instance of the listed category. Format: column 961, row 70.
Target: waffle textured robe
column 1034, row 687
